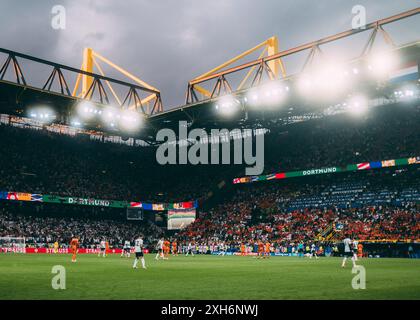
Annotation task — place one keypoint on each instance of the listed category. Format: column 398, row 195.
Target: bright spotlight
column 269, row 94
column 42, row 113
column 406, row 93
column 305, row 84
column 75, row 122
column 380, row 64
column 129, row 120
column 86, row 110
column 109, row 114
column 357, row 105
column 252, row 97
column 227, row 105
column 324, row 81
column 331, row 80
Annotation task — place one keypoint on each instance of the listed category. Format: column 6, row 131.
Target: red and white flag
column 363, row 166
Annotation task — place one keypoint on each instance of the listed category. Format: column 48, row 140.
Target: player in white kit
column 159, row 247
column 138, row 249
column 126, row 249
column 355, row 244
column 313, row 251
column 190, row 249
column 348, row 252
column 102, row 247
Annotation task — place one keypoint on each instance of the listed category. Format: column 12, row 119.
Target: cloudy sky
column 168, row 42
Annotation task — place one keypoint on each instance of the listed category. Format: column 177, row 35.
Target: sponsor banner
column 279, row 254
column 136, row 205
column 375, row 165
column 84, row 201
column 363, row 166
column 179, row 219
column 164, row 206
column 401, row 162
column 236, row 180
column 62, row 250
column 21, row 196
column 229, row 253
column 280, row 175
column 320, row 171
column 246, row 253
column 388, row 163
column 182, row 205
column 158, row 207
column 350, row 167
column 413, row 160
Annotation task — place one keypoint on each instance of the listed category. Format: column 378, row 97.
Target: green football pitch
column 205, row 277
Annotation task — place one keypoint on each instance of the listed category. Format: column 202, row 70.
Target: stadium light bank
column 193, row 147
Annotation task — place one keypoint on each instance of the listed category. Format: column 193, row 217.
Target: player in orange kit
column 174, row 248
column 360, row 250
column 74, row 244
column 260, row 249
column 106, row 248
column 243, row 252
column 267, row 249
column 166, row 248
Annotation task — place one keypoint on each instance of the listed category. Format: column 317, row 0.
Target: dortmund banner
column 350, row 167
column 85, row 201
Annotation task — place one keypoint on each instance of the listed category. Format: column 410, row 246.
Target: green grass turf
column 205, row 277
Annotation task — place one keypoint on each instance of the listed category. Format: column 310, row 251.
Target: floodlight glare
column 270, row 94
column 86, row 110
column 109, row 114
column 227, row 105
column 305, row 84
column 406, row 93
column 324, row 81
column 75, row 122
column 42, row 113
column 380, row 64
column 129, row 120
column 357, row 105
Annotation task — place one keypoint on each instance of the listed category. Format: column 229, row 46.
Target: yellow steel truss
column 269, row 46
column 90, row 59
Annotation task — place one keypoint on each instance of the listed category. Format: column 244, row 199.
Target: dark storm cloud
column 168, row 42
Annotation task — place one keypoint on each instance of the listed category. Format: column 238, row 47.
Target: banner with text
column 350, row 167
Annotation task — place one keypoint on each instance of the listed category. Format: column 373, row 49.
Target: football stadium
column 287, row 172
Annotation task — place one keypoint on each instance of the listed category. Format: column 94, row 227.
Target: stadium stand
column 375, row 205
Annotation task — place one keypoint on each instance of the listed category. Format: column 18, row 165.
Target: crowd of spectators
column 44, row 231
column 49, row 163
column 262, row 212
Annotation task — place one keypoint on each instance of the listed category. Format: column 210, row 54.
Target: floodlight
column 381, row 63
column 109, row 114
column 75, row 122
column 86, row 110
column 42, row 113
column 227, row 105
column 269, row 94
column 129, row 120
column 357, row 105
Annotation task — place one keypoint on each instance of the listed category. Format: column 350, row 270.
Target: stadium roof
column 16, row 95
